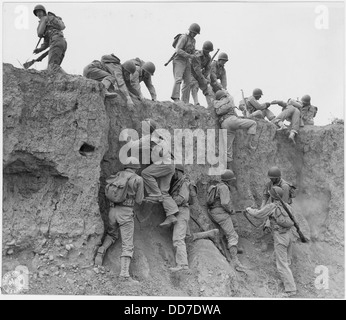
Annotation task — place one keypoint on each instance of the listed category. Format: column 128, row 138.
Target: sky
column 287, row 49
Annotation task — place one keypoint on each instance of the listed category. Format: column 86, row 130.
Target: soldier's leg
column 185, row 91
column 281, row 244
column 227, row 124
column 178, row 72
column 179, row 234
column 57, row 51
column 282, row 116
column 295, row 123
column 194, row 90
column 236, row 229
column 268, row 114
column 150, row 175
column 257, row 114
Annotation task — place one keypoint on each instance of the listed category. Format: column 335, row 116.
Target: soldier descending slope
column 222, row 213
column 144, row 72
column 110, row 72
column 50, row 29
column 121, row 213
column 281, row 224
column 224, row 108
column 180, row 192
column 185, row 48
column 218, row 72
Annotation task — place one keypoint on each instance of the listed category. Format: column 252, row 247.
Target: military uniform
column 109, row 68
column 230, row 121
column 218, row 72
column 289, row 113
column 182, row 67
column 50, row 28
column 267, row 198
column 307, row 113
column 180, row 193
column 139, row 76
column 257, row 109
column 221, row 212
column 282, row 239
column 200, row 73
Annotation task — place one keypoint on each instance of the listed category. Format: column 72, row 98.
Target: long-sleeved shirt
column 223, row 198
column 180, row 192
column 201, row 65
column 139, row 76
column 255, row 105
column 185, row 47
column 48, row 27
column 154, row 145
column 218, row 72
column 267, row 198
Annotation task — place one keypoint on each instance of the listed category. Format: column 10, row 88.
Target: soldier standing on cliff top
column 110, row 72
column 185, row 49
column 50, row 29
column 218, row 72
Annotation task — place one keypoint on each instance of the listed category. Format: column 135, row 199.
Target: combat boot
column 235, row 261
column 102, row 250
column 281, row 126
column 169, row 220
column 107, row 84
column 124, row 271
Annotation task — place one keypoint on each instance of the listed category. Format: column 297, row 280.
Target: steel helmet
column 152, row 123
column 306, row 98
column 277, row 193
column 133, row 163
column 274, row 172
column 228, row 175
column 257, row 92
column 179, row 167
column 208, row 46
column 223, row 56
column 39, row 7
column 220, row 94
column 129, row 66
column 149, row 67
column 195, row 28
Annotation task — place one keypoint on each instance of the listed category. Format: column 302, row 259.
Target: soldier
column 224, row 107
column 180, row 192
column 218, row 72
column 200, row 72
column 307, row 111
column 289, row 113
column 110, row 72
column 281, row 225
column 181, row 63
column 255, row 109
column 121, row 215
column 222, row 213
column 144, row 72
column 157, row 176
column 50, row 29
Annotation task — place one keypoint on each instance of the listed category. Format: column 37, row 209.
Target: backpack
column 282, row 219
column 176, row 39
column 211, row 195
column 222, row 107
column 55, row 21
column 117, row 185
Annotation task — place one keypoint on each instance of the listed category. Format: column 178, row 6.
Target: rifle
column 171, row 58
column 215, row 54
column 245, row 101
column 301, row 236
column 27, row 65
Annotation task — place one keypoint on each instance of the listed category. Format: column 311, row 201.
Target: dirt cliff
column 61, row 141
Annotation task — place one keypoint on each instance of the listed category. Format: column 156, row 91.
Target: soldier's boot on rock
column 235, row 261
column 124, row 271
column 100, row 254
column 169, row 220
column 178, row 268
column 107, row 84
column 211, row 234
column 280, row 126
column 292, row 135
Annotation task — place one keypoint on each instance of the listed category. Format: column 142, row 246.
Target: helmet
column 152, row 123
column 129, row 66
column 228, row 175
column 257, row 92
column 276, row 192
column 133, row 163
column 208, row 46
column 274, row 172
column 220, row 94
column 223, row 56
column 149, row 67
column 39, row 7
column 306, row 98
column 179, row 167
column 195, row 28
